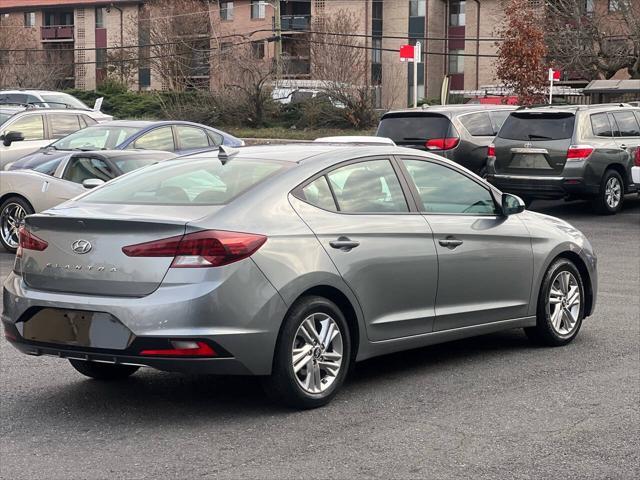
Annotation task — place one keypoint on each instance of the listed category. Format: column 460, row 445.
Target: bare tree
column 340, row 62
column 587, row 39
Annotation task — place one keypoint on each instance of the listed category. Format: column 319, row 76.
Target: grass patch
column 292, row 134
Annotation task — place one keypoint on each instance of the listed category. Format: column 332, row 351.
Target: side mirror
column 10, row 137
column 512, row 204
column 92, row 183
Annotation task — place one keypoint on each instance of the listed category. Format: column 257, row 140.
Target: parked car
column 166, row 135
column 569, row 152
column 24, row 130
column 460, row 133
column 51, row 99
column 23, row 192
column 289, row 262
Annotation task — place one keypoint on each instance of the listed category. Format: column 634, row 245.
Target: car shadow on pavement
column 582, row 208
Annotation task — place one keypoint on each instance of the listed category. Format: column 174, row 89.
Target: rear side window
column 478, row 124
column 530, row 126
column 627, row 124
column 414, row 127
column 317, row 193
column 62, row 124
column 498, row 118
column 157, row 139
column 600, row 125
column 200, row 181
column 191, row 137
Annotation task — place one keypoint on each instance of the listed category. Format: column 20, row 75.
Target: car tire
column 306, row 370
column 561, row 305
column 12, row 211
column 103, row 371
column 611, row 194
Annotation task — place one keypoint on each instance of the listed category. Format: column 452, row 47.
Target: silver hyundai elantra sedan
column 291, row 263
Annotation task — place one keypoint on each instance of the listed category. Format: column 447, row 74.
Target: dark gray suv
column 585, row 151
column 460, row 133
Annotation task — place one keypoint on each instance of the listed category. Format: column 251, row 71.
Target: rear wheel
column 611, row 195
column 103, row 371
column 312, row 355
column 12, row 212
column 560, row 305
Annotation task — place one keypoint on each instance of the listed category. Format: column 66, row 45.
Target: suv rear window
column 600, row 125
column 538, row 126
column 478, row 124
column 407, row 127
column 199, row 181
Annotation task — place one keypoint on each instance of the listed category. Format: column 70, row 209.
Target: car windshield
column 48, row 168
column 532, row 126
column 63, row 98
column 196, row 182
column 96, row 138
column 413, row 127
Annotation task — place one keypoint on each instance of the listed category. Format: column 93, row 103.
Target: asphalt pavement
column 489, row 407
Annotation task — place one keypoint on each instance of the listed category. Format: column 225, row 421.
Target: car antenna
column 225, row 153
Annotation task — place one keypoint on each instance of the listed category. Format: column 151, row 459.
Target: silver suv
column 51, row 99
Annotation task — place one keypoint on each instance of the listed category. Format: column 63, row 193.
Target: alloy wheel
column 613, row 192
column 10, row 219
column 564, row 303
column 317, row 353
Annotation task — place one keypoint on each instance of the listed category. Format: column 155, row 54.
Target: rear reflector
column 442, row 143
column 183, row 348
column 491, row 150
column 208, row 248
column 579, row 152
column 28, row 241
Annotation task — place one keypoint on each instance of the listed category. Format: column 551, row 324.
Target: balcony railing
column 300, row 23
column 56, row 32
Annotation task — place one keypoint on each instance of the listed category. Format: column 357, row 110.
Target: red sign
column 554, row 74
column 406, row 53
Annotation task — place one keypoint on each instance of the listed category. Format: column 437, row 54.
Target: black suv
column 585, row 151
column 460, row 133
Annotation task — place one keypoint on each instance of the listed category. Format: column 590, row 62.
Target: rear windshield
column 187, row 182
column 538, row 126
column 59, row 98
column 412, row 127
column 50, row 167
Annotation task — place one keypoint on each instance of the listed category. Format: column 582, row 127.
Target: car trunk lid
column 415, row 129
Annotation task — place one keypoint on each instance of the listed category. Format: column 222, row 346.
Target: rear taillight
column 491, row 150
column 28, row 241
column 442, row 143
column 182, row 348
column 579, row 152
column 208, row 248
column 636, row 160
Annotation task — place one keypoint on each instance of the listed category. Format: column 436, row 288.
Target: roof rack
column 42, row 105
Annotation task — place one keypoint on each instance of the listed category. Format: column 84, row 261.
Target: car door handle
column 450, row 242
column 344, row 243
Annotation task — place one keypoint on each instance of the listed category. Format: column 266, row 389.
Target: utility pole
column 278, row 31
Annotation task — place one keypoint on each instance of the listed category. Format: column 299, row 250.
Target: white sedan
column 23, row 192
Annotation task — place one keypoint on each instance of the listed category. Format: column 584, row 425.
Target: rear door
column 472, row 151
column 485, row 261
column 384, row 251
column 534, row 143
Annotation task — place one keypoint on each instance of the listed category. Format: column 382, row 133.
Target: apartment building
column 455, row 36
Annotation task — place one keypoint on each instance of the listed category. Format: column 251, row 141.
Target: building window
column 101, row 57
column 616, row 5
column 29, row 19
column 257, row 50
column 456, row 14
column 226, row 10
column 589, row 6
column 225, row 48
column 100, row 17
column 257, row 9
column 456, row 62
column 417, row 8
column 376, row 50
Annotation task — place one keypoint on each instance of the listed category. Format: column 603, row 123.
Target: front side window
column 95, row 138
column 31, row 127
column 62, row 124
column 627, row 124
column 80, row 169
column 478, row 124
column 226, row 10
column 191, row 137
column 367, row 187
column 258, row 9
column 157, row 139
column 600, row 125
column 445, row 191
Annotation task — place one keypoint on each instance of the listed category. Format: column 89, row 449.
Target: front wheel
column 12, row 212
column 560, row 305
column 103, row 371
column 312, row 355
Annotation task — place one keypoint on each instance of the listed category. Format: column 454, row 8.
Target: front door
column 485, row 260
column 384, row 252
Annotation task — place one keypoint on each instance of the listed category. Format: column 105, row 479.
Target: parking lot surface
column 487, row 407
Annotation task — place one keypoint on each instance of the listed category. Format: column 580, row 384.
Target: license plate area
column 530, row 161
column 77, row 328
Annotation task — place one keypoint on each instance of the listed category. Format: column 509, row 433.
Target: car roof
column 147, row 123
column 576, row 108
column 29, row 90
column 458, row 109
column 115, row 154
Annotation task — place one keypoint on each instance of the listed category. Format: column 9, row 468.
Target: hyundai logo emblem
column 81, row 246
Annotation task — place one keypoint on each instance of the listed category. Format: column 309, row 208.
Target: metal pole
column 550, row 88
column 278, row 32
column 415, row 84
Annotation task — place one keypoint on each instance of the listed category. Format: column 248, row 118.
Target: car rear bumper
column 245, row 331
column 549, row 187
column 635, row 175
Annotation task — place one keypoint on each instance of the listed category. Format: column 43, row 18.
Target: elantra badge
column 81, row 246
